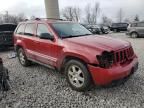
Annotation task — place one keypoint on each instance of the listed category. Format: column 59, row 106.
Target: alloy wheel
column 76, row 76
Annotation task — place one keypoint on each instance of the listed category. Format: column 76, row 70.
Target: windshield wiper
column 84, row 34
column 71, row 36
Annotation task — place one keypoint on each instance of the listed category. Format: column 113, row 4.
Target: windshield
column 66, row 30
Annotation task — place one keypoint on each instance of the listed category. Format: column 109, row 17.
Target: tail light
column 106, row 60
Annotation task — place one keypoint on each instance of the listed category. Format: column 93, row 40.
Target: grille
column 6, row 37
column 123, row 55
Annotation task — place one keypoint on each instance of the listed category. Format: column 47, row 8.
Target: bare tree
column 120, row 15
column 96, row 12
column 88, row 14
column 1, row 19
column 7, row 18
column 136, row 18
column 21, row 17
column 72, row 13
column 68, row 13
column 92, row 13
column 106, row 21
column 77, row 13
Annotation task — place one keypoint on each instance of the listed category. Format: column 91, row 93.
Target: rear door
column 28, row 40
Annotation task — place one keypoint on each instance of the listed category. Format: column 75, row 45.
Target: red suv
column 71, row 48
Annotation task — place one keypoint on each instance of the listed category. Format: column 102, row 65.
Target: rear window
column 119, row 24
column 141, row 24
column 20, row 29
column 29, row 30
column 7, row 27
column 134, row 25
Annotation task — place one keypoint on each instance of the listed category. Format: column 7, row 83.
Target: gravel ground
column 40, row 87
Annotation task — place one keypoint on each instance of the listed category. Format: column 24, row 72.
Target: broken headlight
column 106, row 60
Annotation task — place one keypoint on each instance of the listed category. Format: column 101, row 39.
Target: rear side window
column 124, row 24
column 20, row 29
column 134, row 25
column 30, row 29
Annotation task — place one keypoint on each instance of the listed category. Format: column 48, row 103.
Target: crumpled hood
column 98, row 42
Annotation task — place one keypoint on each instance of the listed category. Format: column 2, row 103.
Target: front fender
column 88, row 58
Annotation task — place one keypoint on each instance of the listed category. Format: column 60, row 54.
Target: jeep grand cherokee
column 69, row 47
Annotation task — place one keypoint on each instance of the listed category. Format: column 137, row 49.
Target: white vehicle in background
column 136, row 29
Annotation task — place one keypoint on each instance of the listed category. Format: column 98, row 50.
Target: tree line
column 8, row 18
column 89, row 15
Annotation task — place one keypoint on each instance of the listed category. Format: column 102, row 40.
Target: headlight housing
column 106, row 60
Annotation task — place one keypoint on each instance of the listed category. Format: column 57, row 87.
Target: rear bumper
column 103, row 76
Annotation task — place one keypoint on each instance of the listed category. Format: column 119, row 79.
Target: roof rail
column 49, row 18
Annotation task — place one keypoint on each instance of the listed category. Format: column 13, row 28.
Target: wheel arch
column 134, row 32
column 17, row 47
column 71, row 57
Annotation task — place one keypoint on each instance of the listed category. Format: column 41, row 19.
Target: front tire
column 77, row 75
column 22, row 58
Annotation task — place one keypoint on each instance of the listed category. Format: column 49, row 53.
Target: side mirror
column 46, row 36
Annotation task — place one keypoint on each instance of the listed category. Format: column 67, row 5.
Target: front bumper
column 103, row 76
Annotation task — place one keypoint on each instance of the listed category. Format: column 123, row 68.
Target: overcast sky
column 108, row 7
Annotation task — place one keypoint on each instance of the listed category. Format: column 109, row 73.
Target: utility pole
column 52, row 9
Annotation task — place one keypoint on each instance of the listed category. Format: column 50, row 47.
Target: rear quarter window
column 140, row 24
column 20, row 29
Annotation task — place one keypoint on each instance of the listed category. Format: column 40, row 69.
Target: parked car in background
column 69, row 47
column 6, row 35
column 104, row 29
column 136, row 30
column 95, row 29
column 117, row 27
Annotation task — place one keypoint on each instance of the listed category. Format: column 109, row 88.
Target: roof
column 45, row 20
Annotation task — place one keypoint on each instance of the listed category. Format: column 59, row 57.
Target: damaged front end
column 106, row 60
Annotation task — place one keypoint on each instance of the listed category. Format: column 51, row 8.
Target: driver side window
column 42, row 29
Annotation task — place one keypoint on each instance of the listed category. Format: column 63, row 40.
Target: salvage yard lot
column 37, row 86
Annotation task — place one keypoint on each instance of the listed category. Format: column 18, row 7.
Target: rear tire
column 77, row 75
column 22, row 58
column 134, row 35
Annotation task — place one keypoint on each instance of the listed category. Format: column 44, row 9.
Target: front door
column 45, row 47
